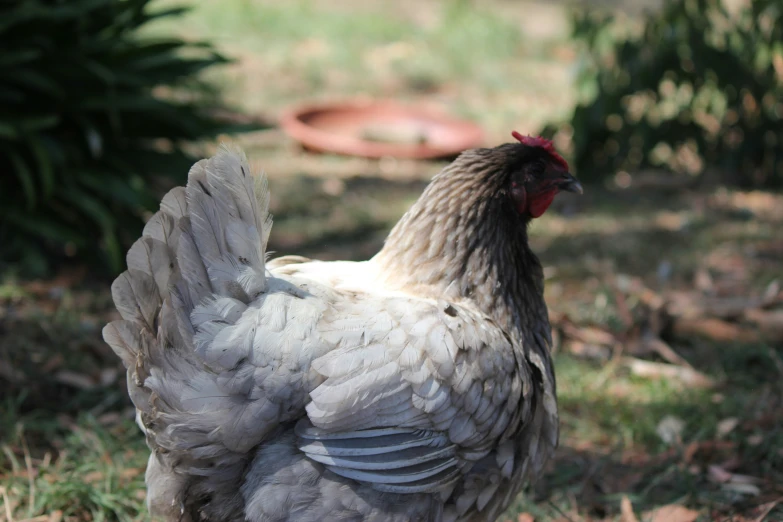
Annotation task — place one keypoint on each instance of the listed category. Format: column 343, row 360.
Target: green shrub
column 94, row 119
column 699, row 87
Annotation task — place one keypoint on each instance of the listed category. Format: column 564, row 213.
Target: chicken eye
column 535, row 169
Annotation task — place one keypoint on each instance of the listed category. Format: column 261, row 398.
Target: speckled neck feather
column 464, row 239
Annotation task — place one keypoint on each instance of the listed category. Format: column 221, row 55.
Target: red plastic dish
column 375, row 129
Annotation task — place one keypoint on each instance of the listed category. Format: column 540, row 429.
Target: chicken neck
column 463, row 240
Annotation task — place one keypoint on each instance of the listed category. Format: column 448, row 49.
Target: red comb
column 538, row 141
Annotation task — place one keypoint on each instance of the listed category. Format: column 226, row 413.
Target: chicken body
column 414, row 386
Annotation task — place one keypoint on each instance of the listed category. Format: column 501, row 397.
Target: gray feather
column 196, row 257
column 175, row 203
column 416, row 473
column 385, row 461
column 163, row 227
column 124, row 337
column 154, row 258
column 136, row 297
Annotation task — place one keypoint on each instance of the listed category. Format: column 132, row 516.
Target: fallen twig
column 653, row 370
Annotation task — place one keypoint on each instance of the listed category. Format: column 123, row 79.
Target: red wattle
column 540, row 202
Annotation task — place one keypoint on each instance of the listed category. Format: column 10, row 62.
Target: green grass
column 463, row 43
column 93, row 472
column 471, row 58
column 68, row 443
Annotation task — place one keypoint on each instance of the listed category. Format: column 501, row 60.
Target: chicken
column 416, row 386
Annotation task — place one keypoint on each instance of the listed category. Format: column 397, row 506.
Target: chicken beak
column 569, row 183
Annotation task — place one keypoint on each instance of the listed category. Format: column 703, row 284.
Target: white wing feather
column 391, row 388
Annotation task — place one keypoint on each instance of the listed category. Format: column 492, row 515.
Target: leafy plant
column 700, row 86
column 94, row 121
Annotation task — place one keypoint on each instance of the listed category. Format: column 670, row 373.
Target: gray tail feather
column 208, row 240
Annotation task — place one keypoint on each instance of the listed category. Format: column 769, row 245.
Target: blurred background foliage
column 699, row 87
column 94, row 120
column 97, row 116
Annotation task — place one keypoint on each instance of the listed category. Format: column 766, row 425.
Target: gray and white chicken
column 414, row 386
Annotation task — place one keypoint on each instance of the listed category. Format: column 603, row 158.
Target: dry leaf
column 742, row 484
column 745, row 479
column 732, row 463
column 130, row 473
column 767, row 508
column 717, row 474
column 731, row 307
column 653, row 370
column 77, row 380
column 109, row 375
column 742, row 488
column 689, row 452
column 707, row 449
column 684, row 305
column 651, row 299
column 626, row 510
column 671, row 513
column 713, row 328
column 726, row 426
column 525, row 517
column 589, row 351
column 770, row 322
column 589, row 334
column 110, row 418
column 702, row 280
column 772, row 292
column 93, row 476
column 53, row 363
column 670, row 429
column 666, row 352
